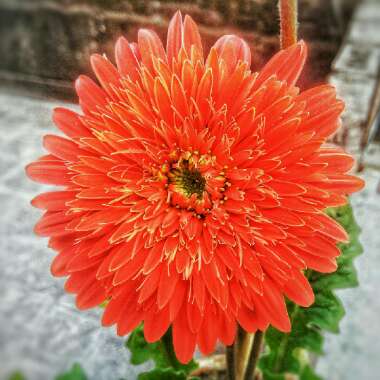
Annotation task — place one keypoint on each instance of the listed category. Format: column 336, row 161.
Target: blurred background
column 46, row 44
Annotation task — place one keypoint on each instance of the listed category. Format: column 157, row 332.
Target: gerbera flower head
column 193, row 190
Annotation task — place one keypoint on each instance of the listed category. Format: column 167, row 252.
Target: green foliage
column 165, row 374
column 166, row 364
column 75, row 373
column 17, row 376
column 290, row 353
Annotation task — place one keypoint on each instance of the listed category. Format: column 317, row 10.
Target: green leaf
column 309, row 374
column 163, row 374
column 141, row 351
column 161, row 352
column 289, row 353
column 268, row 375
column 76, row 373
column 17, row 376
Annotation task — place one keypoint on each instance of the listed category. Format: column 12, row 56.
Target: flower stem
column 254, row 355
column 230, row 361
column 243, row 350
column 288, row 22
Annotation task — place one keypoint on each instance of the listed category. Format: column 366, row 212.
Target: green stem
column 282, row 349
column 254, row 355
column 230, row 362
column 288, row 22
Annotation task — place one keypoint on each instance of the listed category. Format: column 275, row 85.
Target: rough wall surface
column 52, row 39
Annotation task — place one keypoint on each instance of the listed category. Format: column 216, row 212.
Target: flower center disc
column 194, row 182
column 190, row 180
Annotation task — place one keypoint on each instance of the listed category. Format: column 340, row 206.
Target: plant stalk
column 254, row 355
column 243, row 350
column 230, row 362
column 288, row 22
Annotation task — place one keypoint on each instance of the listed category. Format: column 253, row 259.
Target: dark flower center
column 189, row 180
column 194, row 181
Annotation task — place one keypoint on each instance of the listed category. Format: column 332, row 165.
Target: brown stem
column 254, row 355
column 230, row 362
column 288, row 22
column 242, row 355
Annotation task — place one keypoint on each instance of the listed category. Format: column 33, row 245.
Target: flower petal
column 49, row 172
column 69, row 123
column 62, row 148
column 126, row 60
column 150, row 46
column 299, row 290
column 91, row 96
column 106, row 72
column 183, row 339
column 191, row 36
column 175, row 37
column 286, row 65
column 233, row 49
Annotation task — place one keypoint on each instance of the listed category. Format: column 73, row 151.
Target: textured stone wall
column 50, row 41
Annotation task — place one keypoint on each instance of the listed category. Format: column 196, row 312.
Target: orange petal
column 69, row 123
column 191, row 36
column 208, row 333
column 320, row 264
column 325, row 122
column 331, row 228
column 286, row 65
column 299, row 290
column 174, row 39
column 105, row 72
column 90, row 297
column 274, row 302
column 227, row 328
column 150, row 285
column 246, row 318
column 81, row 262
column 126, row 60
column 321, row 246
column 49, row 172
column 194, row 317
column 128, row 271
column 78, row 281
column 58, row 265
column 62, row 148
column 178, row 298
column 150, row 46
column 91, row 96
column 53, row 200
column 342, row 184
column 156, row 324
column 167, row 285
column 130, row 316
column 233, row 49
column 113, row 309
column 183, row 339
column 283, row 216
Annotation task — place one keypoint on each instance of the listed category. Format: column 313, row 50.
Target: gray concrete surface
column 41, row 332
column 354, row 354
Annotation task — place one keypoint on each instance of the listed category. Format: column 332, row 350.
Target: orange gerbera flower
column 193, row 190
